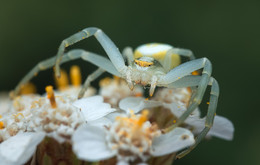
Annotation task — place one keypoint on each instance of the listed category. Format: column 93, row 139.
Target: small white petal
column 101, row 122
column 137, row 104
column 89, row 143
column 93, row 108
column 222, row 128
column 173, row 141
column 122, row 163
column 20, row 148
column 56, row 136
column 112, row 116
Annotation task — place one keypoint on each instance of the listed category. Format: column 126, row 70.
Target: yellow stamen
column 75, row 75
column 195, row 73
column 117, row 79
column 62, row 82
column 143, row 63
column 139, row 94
column 105, row 81
column 208, row 103
column 0, row 116
column 143, row 118
column 50, row 96
column 174, row 121
column 28, row 88
column 2, row 126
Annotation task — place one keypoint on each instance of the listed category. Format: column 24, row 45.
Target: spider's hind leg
column 209, row 118
column 181, row 73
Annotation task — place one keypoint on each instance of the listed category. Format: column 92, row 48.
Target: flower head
column 131, row 138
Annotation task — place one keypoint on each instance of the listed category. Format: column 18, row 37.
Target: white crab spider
column 151, row 64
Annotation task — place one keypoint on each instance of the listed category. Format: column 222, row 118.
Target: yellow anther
column 0, row 116
column 117, row 79
column 208, row 103
column 62, row 82
column 143, row 63
column 143, row 118
column 147, row 98
column 195, row 73
column 139, row 94
column 118, row 118
column 105, row 81
column 174, row 121
column 50, row 96
column 179, row 77
column 75, row 75
column 28, row 88
column 2, row 126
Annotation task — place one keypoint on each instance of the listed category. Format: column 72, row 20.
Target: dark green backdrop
column 225, row 31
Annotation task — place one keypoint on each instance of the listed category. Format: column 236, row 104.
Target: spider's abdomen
column 158, row 52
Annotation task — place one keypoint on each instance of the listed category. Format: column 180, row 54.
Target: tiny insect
column 153, row 64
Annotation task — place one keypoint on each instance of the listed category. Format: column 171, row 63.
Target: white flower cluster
column 130, row 132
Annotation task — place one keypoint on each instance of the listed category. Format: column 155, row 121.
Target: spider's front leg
column 108, row 45
column 175, row 78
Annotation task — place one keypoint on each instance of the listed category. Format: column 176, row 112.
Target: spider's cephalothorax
column 158, row 52
column 151, row 64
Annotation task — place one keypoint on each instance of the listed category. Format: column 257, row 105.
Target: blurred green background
column 226, row 32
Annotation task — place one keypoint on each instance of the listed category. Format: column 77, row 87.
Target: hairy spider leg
column 128, row 54
column 108, row 45
column 93, row 58
column 93, row 76
column 181, row 72
column 182, row 52
column 185, row 69
column 214, row 93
